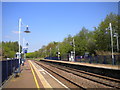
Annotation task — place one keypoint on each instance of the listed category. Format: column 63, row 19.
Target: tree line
column 9, row 49
column 96, row 42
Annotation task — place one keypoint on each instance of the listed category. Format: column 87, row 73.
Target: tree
column 85, row 40
column 102, row 37
column 9, row 49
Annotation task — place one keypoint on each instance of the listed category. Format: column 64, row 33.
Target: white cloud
column 15, row 32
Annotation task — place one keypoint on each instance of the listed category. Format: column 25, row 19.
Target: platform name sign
column 18, row 55
column 25, row 50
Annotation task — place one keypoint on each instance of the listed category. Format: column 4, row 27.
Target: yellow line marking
column 44, row 82
column 36, row 82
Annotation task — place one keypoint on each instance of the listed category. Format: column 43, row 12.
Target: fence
column 53, row 58
column 100, row 59
column 8, row 67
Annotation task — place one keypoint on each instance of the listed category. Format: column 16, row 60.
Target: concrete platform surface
column 34, row 76
column 25, row 80
column 106, row 66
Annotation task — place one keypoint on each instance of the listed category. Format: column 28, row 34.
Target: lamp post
column 58, row 53
column 50, row 52
column 23, row 47
column 110, row 25
column 111, row 33
column 74, row 48
column 117, row 43
column 27, row 31
column 20, row 22
column 73, row 52
column 116, row 35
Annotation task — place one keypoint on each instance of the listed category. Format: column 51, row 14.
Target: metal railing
column 8, row 68
column 100, row 59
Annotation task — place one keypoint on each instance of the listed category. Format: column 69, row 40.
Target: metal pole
column 23, row 47
column 74, row 48
column 111, row 42
column 50, row 53
column 58, row 52
column 117, row 43
column 19, row 41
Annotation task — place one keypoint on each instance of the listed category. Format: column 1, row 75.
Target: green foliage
column 102, row 36
column 9, row 49
column 65, row 46
column 85, row 40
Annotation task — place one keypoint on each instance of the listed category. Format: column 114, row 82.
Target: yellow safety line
column 36, row 82
column 44, row 82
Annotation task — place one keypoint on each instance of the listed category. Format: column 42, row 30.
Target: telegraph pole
column 58, row 52
column 117, row 43
column 74, row 48
column 110, row 25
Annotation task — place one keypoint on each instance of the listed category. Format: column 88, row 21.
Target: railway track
column 91, row 76
column 81, row 78
column 59, row 75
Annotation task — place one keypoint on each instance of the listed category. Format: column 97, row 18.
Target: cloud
column 15, row 32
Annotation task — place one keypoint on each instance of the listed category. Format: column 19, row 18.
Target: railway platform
column 101, row 69
column 105, row 66
column 25, row 80
column 33, row 76
column 52, row 74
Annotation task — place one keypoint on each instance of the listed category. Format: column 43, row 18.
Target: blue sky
column 52, row 21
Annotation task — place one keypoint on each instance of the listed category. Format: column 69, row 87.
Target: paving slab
column 34, row 76
column 25, row 80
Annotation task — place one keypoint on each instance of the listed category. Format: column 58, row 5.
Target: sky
column 51, row 21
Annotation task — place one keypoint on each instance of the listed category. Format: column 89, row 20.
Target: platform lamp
column 26, row 31
column 111, row 34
